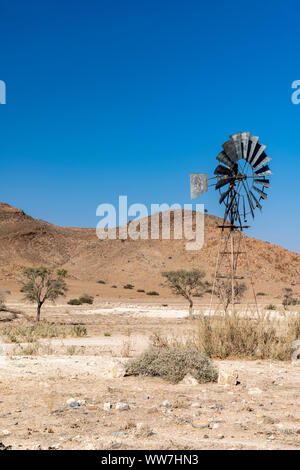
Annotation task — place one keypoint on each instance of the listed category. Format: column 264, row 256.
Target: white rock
column 166, row 404
column 255, row 391
column 107, row 406
column 228, row 377
column 189, row 380
column 196, row 404
column 122, row 406
column 117, row 370
column 70, row 400
column 6, row 432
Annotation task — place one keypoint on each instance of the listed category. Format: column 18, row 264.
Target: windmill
column 242, row 178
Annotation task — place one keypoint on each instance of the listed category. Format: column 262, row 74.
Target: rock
column 143, row 430
column 5, row 432
column 70, row 400
column 255, row 391
column 189, row 380
column 166, row 404
column 196, row 404
column 119, row 433
column 107, row 406
column 228, row 377
column 117, row 370
column 122, row 406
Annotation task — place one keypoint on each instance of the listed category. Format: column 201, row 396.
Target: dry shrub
column 235, row 335
column 173, row 363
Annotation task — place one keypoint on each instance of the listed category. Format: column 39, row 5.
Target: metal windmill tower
column 241, row 178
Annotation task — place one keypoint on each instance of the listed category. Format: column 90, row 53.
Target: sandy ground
column 262, row 412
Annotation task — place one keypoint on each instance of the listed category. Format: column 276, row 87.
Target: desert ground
column 55, row 398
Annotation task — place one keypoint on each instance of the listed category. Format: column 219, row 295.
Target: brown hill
column 25, row 241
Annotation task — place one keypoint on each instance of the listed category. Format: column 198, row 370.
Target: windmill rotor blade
column 260, row 192
column 251, row 207
column 251, row 146
column 223, row 182
column 229, row 149
column 257, row 153
column 257, row 203
column 223, row 158
column 262, row 182
column 198, row 184
column 224, row 195
column 245, row 140
column 223, row 170
column 262, row 160
column 264, row 171
column 236, row 138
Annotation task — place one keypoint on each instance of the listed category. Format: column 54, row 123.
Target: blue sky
column 114, row 97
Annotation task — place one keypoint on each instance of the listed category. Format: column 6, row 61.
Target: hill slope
column 25, row 241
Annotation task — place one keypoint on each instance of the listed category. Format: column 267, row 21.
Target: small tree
column 288, row 298
column 40, row 284
column 224, row 292
column 187, row 284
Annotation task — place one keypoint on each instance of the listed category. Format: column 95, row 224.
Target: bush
column 128, row 286
column 78, row 330
column 173, row 363
column 260, row 293
column 86, row 299
column 270, row 307
column 152, row 292
column 74, row 302
column 101, row 282
column 140, row 290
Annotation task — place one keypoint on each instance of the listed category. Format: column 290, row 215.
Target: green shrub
column 173, row 363
column 101, row 282
column 128, row 286
column 86, row 299
column 261, row 293
column 152, row 292
column 78, row 330
column 74, row 302
column 107, row 333
column 114, row 287
column 140, row 290
column 270, row 307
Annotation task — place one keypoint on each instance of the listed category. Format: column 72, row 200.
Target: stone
column 143, row 430
column 166, row 404
column 70, row 400
column 117, row 370
column 228, row 377
column 189, row 380
column 5, row 432
column 122, row 406
column 107, row 406
column 196, row 404
column 255, row 391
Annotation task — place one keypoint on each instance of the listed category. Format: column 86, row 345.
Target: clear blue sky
column 114, row 97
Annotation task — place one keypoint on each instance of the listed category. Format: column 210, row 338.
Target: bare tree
column 40, row 284
column 224, row 292
column 187, row 284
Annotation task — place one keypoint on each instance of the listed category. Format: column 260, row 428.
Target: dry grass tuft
column 238, row 336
